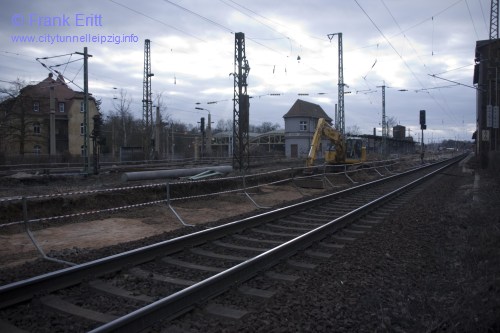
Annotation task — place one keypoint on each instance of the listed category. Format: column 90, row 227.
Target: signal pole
column 208, row 144
column 86, row 137
column 423, row 126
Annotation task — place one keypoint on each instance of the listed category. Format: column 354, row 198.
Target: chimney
column 61, row 78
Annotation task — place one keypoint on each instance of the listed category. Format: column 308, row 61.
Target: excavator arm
column 324, row 129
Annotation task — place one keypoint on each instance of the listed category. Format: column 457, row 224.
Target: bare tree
column 391, row 122
column 224, row 125
column 267, row 126
column 163, row 141
column 353, row 130
column 14, row 119
column 162, row 104
column 122, row 107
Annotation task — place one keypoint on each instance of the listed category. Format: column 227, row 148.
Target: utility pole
column 173, row 142
column 202, row 130
column 157, row 132
column 86, row 137
column 209, row 135
column 341, row 112
column 384, row 122
column 147, row 103
column 52, row 123
column 96, row 141
column 241, row 106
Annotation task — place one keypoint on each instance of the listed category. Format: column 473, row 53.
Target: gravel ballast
column 433, row 266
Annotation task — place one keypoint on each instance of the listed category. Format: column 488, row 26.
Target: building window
column 82, row 129
column 37, row 150
column 61, row 107
column 36, row 128
column 303, row 126
column 83, row 151
column 82, row 106
column 36, row 107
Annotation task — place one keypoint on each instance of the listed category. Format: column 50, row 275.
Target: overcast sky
column 399, row 43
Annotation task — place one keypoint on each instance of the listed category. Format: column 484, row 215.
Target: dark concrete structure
column 486, row 76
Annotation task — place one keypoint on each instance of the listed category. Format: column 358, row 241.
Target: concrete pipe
column 173, row 173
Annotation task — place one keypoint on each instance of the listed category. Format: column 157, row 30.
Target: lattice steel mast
column 241, row 106
column 494, row 19
column 147, row 103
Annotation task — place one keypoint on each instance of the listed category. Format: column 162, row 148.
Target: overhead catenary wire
column 446, row 109
column 157, row 20
column 270, row 44
column 471, row 19
column 427, row 19
column 200, row 16
column 53, row 71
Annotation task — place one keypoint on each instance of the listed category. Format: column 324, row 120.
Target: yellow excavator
column 341, row 150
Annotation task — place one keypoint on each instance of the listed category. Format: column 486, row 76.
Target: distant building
column 300, row 124
column 25, row 120
column 399, row 132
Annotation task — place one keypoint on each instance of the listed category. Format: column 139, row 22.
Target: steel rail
column 24, row 290
column 184, row 300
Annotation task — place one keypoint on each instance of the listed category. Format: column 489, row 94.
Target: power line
column 253, row 18
column 158, row 21
column 427, row 19
column 53, row 71
column 472, row 21
column 405, row 63
column 454, row 69
column 484, row 17
column 200, row 16
column 389, row 42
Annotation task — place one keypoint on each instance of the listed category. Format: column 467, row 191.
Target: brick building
column 26, row 120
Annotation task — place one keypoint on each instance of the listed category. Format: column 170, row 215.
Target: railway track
column 134, row 290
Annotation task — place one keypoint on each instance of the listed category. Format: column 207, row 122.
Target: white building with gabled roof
column 300, row 124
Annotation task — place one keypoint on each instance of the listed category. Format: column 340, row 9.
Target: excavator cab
column 355, row 150
column 331, row 153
